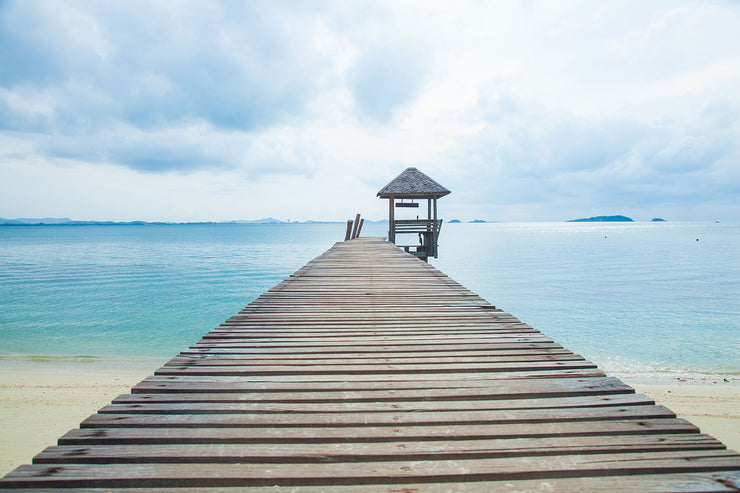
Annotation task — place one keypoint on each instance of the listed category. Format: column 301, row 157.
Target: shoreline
column 42, row 400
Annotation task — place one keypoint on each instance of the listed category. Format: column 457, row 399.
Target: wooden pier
column 370, row 371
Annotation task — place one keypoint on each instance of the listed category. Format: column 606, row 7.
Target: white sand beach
column 714, row 408
column 37, row 408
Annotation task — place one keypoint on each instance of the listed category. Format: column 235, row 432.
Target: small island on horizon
column 598, row 219
column 63, row 221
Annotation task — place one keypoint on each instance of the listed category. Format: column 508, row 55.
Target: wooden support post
column 359, row 228
column 435, row 230
column 348, row 234
column 391, row 219
column 357, row 224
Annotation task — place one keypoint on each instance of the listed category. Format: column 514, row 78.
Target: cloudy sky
column 531, row 110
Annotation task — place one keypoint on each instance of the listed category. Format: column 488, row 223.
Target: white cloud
column 530, row 110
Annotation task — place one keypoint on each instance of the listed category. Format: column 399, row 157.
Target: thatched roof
column 413, row 184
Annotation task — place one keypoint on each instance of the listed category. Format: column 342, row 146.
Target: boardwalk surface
column 369, row 370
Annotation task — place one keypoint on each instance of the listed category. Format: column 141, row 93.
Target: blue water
column 640, row 299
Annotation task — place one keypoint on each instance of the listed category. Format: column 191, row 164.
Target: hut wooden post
column 391, row 220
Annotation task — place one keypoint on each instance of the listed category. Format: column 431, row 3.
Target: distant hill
column 454, row 221
column 40, row 220
column 658, row 220
column 602, row 219
column 477, row 221
column 54, row 221
column 266, row 220
column 63, row 221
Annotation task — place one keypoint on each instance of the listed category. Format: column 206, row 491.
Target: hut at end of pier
column 404, row 191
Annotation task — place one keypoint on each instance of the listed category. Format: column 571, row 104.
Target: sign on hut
column 403, row 192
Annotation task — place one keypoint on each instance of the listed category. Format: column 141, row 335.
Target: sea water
column 643, row 300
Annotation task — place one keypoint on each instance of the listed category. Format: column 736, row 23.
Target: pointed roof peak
column 412, row 183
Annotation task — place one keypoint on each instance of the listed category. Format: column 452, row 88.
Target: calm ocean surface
column 642, row 300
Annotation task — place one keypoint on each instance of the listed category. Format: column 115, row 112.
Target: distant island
column 454, row 221
column 477, row 221
column 63, row 221
column 602, row 219
column 658, row 220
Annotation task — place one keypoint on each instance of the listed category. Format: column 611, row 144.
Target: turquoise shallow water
column 640, row 299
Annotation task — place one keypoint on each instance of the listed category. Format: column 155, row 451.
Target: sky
column 526, row 110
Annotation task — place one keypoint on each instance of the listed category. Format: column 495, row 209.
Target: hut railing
column 427, row 231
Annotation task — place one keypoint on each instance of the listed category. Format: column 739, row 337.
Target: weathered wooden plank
column 207, row 358
column 371, row 338
column 399, row 390
column 363, row 434
column 443, row 303
column 440, row 471
column 420, row 350
column 215, row 347
column 256, row 360
column 373, row 407
column 277, row 382
column 446, row 308
column 360, row 321
column 322, row 333
column 400, row 377
column 403, row 369
column 379, row 418
column 722, row 481
column 378, row 345
column 429, row 391
column 372, row 451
